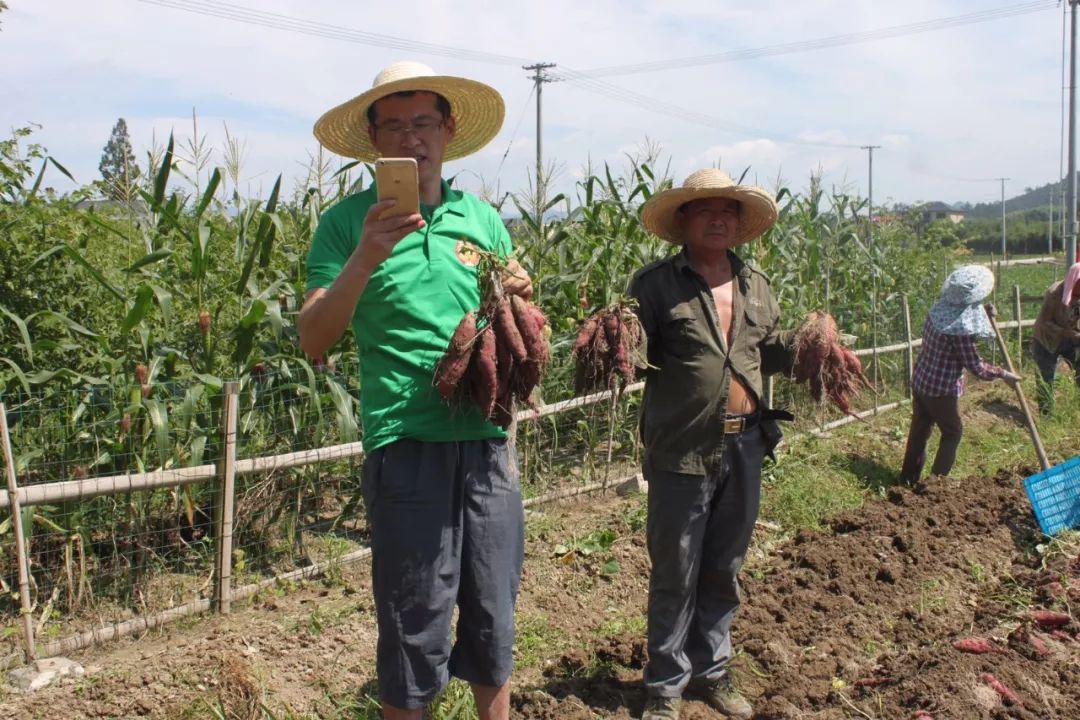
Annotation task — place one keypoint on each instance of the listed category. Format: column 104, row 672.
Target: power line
column 286, row 23
column 587, row 80
column 250, row 16
column 513, row 137
column 821, row 43
column 645, row 102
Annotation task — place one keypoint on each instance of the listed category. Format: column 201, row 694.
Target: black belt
column 735, row 424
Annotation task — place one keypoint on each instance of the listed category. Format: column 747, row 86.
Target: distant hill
column 1031, row 199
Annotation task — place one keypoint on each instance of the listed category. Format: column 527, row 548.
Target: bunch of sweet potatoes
column 496, row 355
column 607, row 348
column 831, row 369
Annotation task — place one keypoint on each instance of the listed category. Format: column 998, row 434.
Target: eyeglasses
column 423, row 127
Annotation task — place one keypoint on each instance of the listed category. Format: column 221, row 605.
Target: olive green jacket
column 690, row 364
column 1056, row 322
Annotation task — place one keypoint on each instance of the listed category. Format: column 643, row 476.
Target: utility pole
column 1070, row 206
column 539, row 77
column 870, row 200
column 1003, row 252
column 1050, row 225
column 873, row 263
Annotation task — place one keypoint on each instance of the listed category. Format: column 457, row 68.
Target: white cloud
column 980, row 100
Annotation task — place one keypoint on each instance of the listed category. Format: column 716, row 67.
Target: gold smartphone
column 397, row 178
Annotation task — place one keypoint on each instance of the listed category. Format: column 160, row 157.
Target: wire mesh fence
column 127, row 513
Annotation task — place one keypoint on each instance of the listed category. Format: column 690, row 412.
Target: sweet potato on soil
column 975, row 645
column 1050, row 619
column 872, row 681
column 1007, row 695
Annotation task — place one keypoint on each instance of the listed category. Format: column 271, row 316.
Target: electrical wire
column 644, row 102
column 524, row 108
column 587, row 80
column 885, row 33
column 250, row 16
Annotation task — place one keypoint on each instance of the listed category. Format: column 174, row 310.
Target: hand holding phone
column 396, row 178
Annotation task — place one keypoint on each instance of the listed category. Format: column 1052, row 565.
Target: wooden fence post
column 226, row 496
column 1019, row 327
column 20, row 541
column 910, row 345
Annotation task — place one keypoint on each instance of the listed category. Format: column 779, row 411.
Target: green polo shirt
column 410, row 308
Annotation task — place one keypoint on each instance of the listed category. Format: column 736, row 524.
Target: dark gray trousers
column 926, row 412
column 447, row 528
column 1047, row 362
column 698, row 531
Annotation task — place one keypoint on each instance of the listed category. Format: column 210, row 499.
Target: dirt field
column 856, row 621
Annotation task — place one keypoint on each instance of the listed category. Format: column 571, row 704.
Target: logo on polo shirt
column 467, row 253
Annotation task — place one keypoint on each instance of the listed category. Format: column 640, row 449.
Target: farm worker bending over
column 1057, row 334
column 441, row 489
column 948, row 347
column 712, row 328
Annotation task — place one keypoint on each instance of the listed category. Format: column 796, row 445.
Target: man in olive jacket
column 712, row 328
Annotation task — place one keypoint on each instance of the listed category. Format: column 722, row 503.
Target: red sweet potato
column 526, row 378
column 1062, row 635
column 1050, row 619
column 532, row 336
column 585, row 334
column 451, row 368
column 1007, row 695
column 976, row 645
column 507, row 330
column 504, row 364
column 617, row 360
column 872, row 681
column 483, row 372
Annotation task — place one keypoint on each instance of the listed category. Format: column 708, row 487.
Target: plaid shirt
column 939, row 371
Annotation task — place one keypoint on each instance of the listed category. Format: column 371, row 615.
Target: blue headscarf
column 959, row 310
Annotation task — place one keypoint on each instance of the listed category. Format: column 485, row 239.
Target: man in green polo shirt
column 441, row 487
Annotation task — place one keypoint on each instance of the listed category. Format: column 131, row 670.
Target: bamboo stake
column 1019, row 328
column 611, row 434
column 227, row 497
column 20, row 541
column 910, row 345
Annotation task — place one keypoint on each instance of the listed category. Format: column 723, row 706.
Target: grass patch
column 535, row 638
column 623, row 625
column 804, row 486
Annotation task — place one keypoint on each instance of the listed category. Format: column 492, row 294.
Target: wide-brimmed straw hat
column 477, row 109
column 959, row 310
column 757, row 208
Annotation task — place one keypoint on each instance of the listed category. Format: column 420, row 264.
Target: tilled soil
column 860, row 621
column 856, row 621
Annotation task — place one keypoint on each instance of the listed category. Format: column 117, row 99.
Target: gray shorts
column 447, row 527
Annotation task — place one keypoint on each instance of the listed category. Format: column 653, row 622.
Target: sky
column 951, row 109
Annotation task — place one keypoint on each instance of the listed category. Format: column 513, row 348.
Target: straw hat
column 477, row 108
column 959, row 310
column 757, row 209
